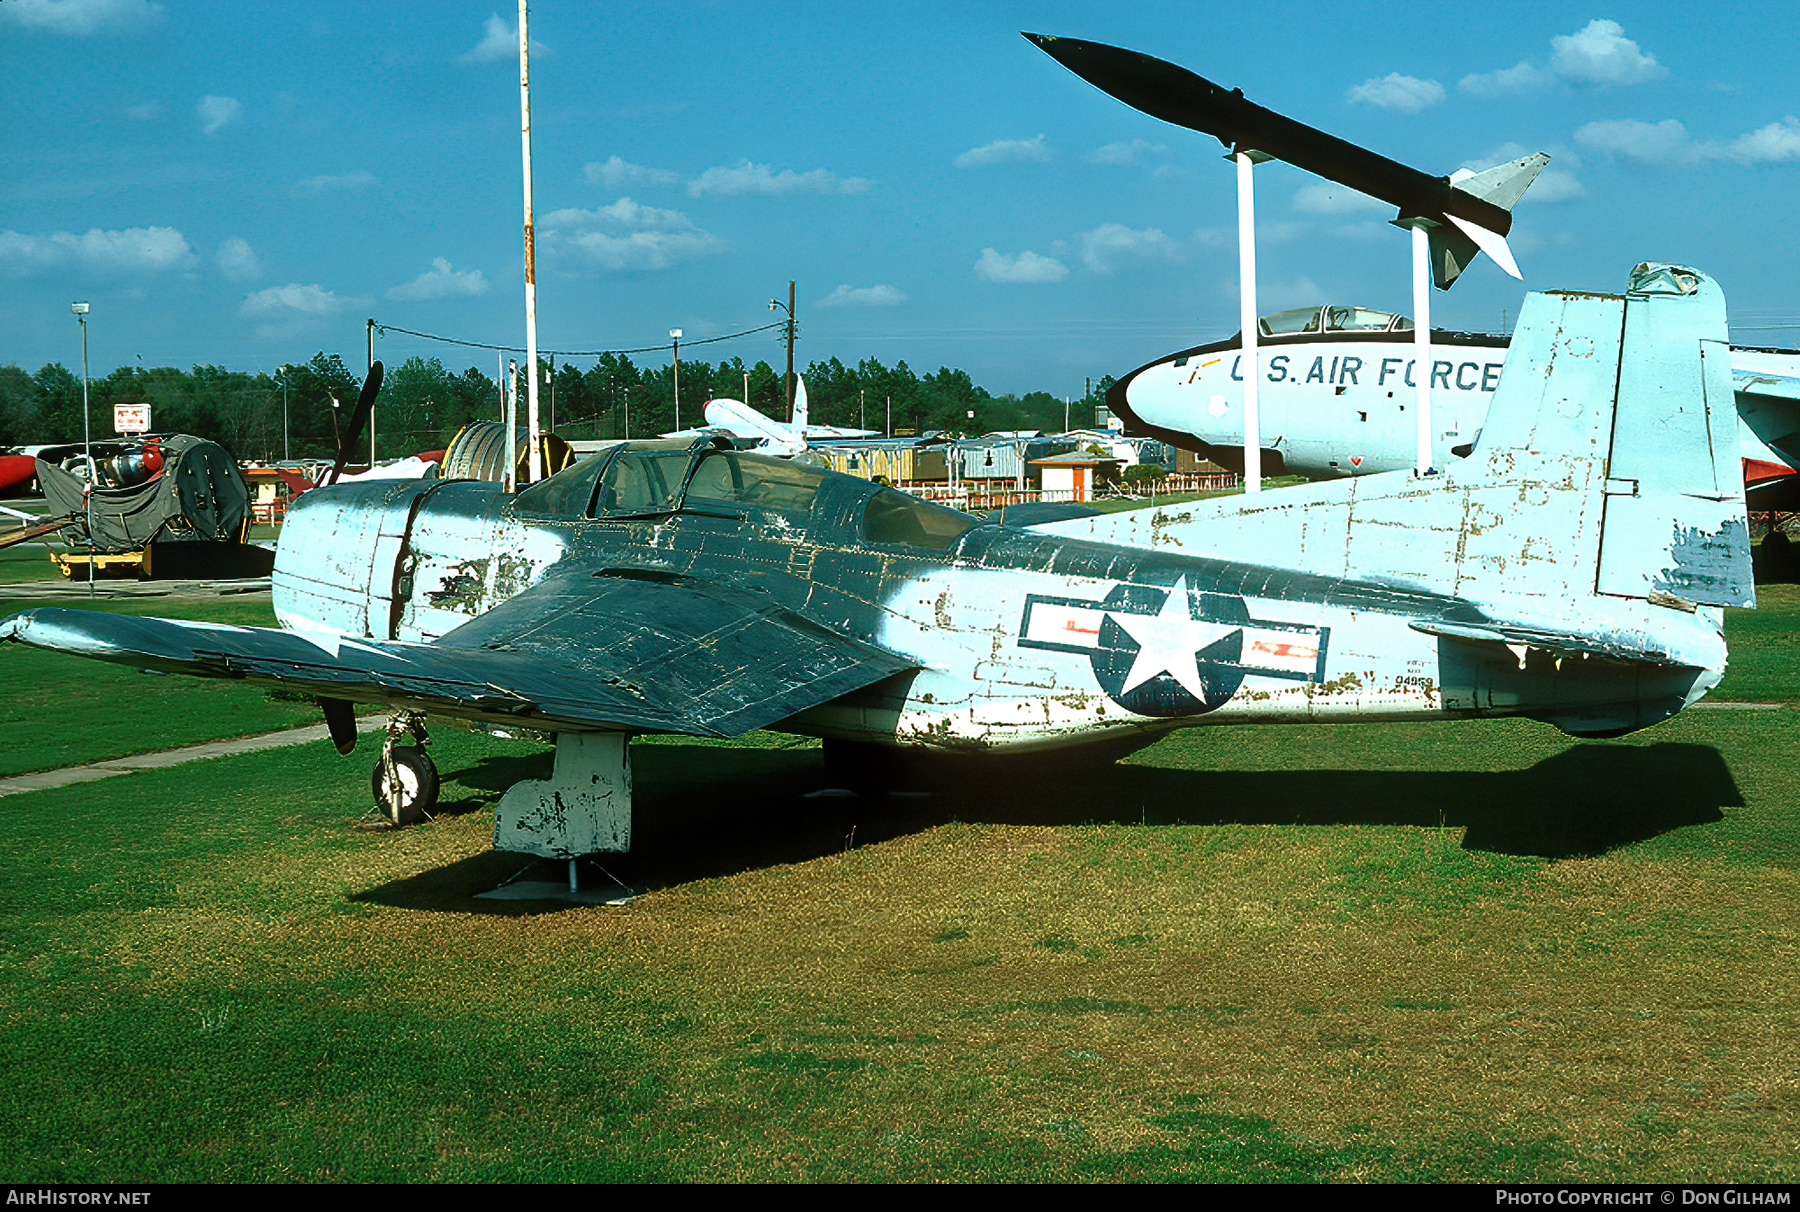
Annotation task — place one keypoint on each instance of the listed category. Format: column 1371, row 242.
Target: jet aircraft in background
column 1337, row 384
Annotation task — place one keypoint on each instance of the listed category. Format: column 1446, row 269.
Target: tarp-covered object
column 198, row 497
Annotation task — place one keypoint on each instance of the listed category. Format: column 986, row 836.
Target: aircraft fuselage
column 1343, row 403
column 1024, row 639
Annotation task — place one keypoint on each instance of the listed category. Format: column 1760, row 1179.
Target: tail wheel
column 417, row 792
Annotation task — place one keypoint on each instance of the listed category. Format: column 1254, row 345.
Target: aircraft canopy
column 1299, row 320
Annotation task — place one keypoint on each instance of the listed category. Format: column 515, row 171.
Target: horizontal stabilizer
column 1562, row 644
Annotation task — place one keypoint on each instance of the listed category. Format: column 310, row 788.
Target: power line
column 384, row 329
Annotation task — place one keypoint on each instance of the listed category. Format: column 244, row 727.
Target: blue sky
column 243, row 185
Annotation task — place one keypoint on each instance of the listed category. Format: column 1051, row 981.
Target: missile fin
column 1491, row 243
column 1451, row 252
column 1503, row 184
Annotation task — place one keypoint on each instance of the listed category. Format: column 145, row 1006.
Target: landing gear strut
column 405, row 782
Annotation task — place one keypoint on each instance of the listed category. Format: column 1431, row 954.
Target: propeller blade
column 359, row 420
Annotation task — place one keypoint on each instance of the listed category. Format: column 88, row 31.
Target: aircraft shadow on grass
column 708, row 812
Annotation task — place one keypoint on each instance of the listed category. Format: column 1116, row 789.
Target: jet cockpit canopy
column 1301, row 320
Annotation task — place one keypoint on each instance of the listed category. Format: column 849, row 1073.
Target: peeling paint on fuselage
column 1025, row 639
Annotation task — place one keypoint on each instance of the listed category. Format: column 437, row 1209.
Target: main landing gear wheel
column 417, row 791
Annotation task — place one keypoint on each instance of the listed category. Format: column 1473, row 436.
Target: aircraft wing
column 737, row 417
column 585, row 649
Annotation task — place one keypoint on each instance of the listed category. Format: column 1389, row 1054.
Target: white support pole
column 536, row 455
column 1421, row 257
column 1248, row 364
column 510, row 479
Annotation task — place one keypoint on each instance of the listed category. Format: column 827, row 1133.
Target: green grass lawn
column 1439, row 952
column 62, row 710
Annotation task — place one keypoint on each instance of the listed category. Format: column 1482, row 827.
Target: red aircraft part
column 16, row 471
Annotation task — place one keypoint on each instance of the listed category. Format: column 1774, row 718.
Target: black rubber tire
column 418, row 784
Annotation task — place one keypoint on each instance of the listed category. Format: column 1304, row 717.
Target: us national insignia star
column 1180, row 650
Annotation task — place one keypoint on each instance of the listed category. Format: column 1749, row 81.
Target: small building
column 1076, row 476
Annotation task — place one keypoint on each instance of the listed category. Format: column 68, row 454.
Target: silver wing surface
column 587, row 648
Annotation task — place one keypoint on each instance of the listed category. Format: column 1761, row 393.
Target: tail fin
column 800, row 408
column 1454, row 246
column 1607, row 468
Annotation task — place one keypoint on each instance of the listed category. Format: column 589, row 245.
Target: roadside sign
column 131, row 418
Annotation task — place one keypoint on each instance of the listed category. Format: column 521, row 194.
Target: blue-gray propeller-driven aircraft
column 1570, row 571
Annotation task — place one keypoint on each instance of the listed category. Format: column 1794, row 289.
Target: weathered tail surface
column 1607, row 472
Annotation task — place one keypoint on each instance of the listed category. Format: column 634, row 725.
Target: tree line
column 296, row 412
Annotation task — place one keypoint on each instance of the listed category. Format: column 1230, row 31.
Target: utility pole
column 371, row 370
column 788, row 336
column 675, row 362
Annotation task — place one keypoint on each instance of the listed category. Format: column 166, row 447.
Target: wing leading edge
column 585, row 649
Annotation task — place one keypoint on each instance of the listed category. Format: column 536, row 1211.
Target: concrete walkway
column 175, row 757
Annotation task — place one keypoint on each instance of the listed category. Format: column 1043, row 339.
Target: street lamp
column 80, row 311
column 675, row 341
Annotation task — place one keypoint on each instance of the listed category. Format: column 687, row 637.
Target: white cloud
column 131, row 249
column 1667, row 142
column 864, row 296
column 747, row 178
column 20, row 252
column 1601, row 56
column 1005, row 151
column 216, row 113
column 354, row 183
column 614, row 173
column 146, row 111
column 1555, row 185
column 1112, row 246
column 1408, row 94
column 79, row 18
column 1664, row 142
column 625, row 237
column 237, row 260
column 1775, row 143
column 500, row 40
column 1508, row 81
column 1597, row 56
column 313, row 300
column 1330, row 198
column 440, row 282
column 1026, row 267
column 1135, row 152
